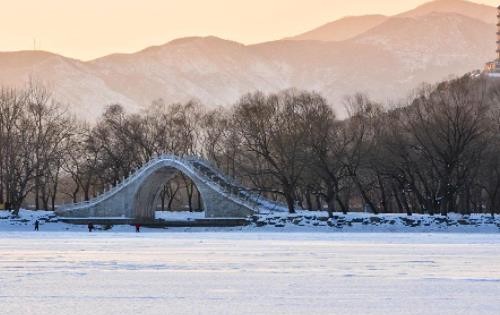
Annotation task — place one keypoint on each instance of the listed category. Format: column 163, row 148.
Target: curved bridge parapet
column 135, row 196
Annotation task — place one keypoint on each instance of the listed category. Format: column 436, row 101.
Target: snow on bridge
column 135, row 197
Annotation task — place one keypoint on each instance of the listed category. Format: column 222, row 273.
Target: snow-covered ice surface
column 249, row 273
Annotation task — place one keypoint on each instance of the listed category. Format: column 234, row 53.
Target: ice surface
column 248, row 273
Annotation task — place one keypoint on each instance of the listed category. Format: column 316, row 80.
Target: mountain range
column 384, row 56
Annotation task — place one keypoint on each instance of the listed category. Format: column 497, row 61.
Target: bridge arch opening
column 153, row 194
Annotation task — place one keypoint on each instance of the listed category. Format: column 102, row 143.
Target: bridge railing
column 107, row 193
column 232, row 187
column 253, row 198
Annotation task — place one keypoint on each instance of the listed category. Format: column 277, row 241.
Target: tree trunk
column 170, row 202
column 330, row 201
column 15, row 207
column 53, row 201
column 75, row 193
column 289, row 195
column 86, row 193
column 163, row 195
column 290, row 202
column 309, row 200
column 365, row 196
column 37, row 194
column 384, row 204
column 2, row 200
column 318, row 203
column 200, row 206
column 342, row 205
column 45, row 201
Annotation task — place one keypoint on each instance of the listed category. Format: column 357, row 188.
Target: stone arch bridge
column 135, row 197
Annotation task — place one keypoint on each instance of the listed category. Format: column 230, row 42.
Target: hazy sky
column 87, row 29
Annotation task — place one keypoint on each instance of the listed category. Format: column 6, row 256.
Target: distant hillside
column 434, row 40
column 72, row 82
column 387, row 61
column 342, row 29
column 485, row 13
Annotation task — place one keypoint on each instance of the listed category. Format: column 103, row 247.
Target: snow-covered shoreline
column 303, row 221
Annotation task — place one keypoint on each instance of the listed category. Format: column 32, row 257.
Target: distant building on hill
column 492, row 68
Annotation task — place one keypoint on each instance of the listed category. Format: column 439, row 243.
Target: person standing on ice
column 137, row 228
column 90, row 226
column 36, row 225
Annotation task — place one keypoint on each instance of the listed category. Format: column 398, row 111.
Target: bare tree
column 448, row 126
column 273, row 130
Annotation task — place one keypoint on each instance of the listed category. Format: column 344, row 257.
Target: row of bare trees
column 34, row 134
column 438, row 153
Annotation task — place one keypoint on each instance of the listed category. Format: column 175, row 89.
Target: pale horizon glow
column 88, row 29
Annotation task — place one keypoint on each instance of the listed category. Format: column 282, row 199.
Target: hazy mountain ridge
column 438, row 39
column 386, row 61
column 210, row 69
column 484, row 13
column 345, row 28
column 350, row 27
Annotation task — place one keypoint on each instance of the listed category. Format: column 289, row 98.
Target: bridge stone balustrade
column 136, row 196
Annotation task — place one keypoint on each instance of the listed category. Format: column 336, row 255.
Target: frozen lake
column 248, row 273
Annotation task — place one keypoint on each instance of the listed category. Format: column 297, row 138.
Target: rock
column 375, row 220
column 408, row 222
column 297, row 221
column 255, row 218
column 441, row 220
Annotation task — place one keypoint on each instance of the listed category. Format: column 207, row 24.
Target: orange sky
column 87, row 29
